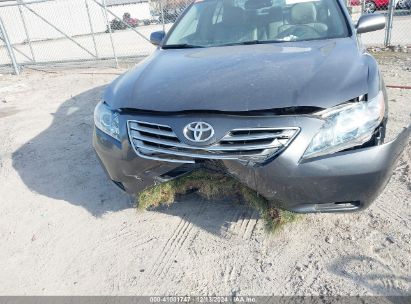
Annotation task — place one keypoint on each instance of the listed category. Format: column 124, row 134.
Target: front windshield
column 227, row 22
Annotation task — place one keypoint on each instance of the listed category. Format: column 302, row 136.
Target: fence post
column 162, row 15
column 23, row 20
column 91, row 27
column 388, row 30
column 110, row 32
column 9, row 48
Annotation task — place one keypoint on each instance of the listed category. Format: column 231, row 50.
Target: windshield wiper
column 191, row 46
column 250, row 42
column 181, row 46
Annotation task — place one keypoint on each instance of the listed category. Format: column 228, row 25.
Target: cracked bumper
column 345, row 181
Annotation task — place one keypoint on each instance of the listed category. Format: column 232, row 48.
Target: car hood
column 244, row 78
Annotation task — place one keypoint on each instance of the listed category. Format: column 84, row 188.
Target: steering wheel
column 300, row 31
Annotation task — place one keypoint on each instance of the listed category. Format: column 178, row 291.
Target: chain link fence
column 38, row 32
column 398, row 15
column 57, row 31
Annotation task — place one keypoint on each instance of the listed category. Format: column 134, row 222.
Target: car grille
column 249, row 145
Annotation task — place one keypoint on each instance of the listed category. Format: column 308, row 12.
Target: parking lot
column 66, row 230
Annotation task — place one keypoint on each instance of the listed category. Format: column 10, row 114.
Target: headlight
column 107, row 120
column 347, row 126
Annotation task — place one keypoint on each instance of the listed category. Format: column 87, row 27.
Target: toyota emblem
column 198, row 131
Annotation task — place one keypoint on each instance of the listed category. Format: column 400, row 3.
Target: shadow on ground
column 372, row 274
column 60, row 163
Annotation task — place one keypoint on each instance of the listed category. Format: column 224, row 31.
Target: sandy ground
column 66, row 230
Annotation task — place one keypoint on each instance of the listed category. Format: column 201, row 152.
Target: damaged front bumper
column 345, row 181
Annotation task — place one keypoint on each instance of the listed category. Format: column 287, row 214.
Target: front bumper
column 344, row 181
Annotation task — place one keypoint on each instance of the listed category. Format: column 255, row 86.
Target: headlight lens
column 107, row 120
column 347, row 126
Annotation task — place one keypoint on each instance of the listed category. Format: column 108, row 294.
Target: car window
column 189, row 24
column 218, row 13
column 225, row 22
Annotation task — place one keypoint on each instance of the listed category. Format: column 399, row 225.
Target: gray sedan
column 281, row 95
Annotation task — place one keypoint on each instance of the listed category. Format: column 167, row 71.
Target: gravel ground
column 65, row 230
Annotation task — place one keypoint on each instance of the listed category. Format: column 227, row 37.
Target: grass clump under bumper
column 215, row 185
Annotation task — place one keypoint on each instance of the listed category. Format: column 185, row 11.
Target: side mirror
column 157, row 37
column 370, row 23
